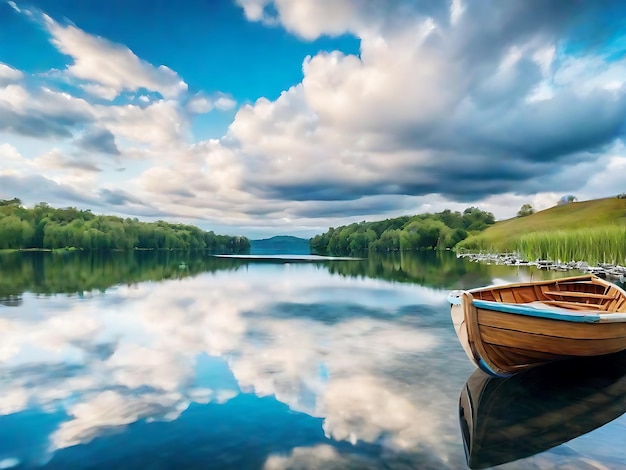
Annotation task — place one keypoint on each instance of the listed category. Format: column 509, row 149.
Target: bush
column 525, row 210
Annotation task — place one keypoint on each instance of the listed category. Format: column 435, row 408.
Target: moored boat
column 509, row 328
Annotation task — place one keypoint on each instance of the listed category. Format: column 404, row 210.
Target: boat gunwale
column 588, row 277
column 551, row 313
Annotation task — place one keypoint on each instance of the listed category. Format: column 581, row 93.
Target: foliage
column 525, row 210
column 567, row 200
column 425, row 231
column 44, row 227
column 78, row 271
column 11, row 202
column 87, row 272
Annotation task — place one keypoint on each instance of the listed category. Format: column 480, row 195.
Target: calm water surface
column 161, row 360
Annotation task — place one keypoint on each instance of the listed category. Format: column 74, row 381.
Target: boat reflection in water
column 503, row 420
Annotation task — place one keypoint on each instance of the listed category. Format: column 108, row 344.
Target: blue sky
column 265, row 117
column 210, row 44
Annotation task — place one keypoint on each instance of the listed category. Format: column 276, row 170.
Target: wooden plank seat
column 588, row 295
column 574, row 283
column 573, row 305
column 563, row 305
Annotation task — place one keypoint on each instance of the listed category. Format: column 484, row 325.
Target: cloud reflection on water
column 132, row 354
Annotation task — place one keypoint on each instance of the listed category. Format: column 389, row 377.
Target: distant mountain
column 280, row 245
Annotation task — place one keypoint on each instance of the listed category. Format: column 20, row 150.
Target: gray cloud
column 43, row 114
column 83, row 165
column 118, row 197
column 98, row 140
column 35, row 188
column 376, row 205
column 466, row 118
column 443, row 175
column 56, row 160
column 32, row 125
column 453, row 106
column 550, row 129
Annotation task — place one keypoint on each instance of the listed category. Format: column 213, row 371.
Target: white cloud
column 199, row 104
column 111, row 65
column 545, row 58
column 99, row 91
column 253, row 9
column 107, row 410
column 159, row 125
column 10, row 462
column 435, row 109
column 316, row 457
column 9, row 75
column 456, row 10
column 307, row 18
column 10, row 158
column 225, row 103
column 56, row 160
column 13, row 5
column 588, row 73
column 404, row 116
column 149, row 371
column 14, row 96
column 379, row 412
column 60, row 107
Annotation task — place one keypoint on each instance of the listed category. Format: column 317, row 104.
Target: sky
column 267, row 117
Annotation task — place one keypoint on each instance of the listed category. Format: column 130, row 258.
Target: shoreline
column 603, row 270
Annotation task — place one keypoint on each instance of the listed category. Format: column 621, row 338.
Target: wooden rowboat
column 509, row 328
column 503, row 420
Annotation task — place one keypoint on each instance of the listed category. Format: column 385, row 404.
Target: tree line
column 85, row 271
column 46, row 227
column 425, row 231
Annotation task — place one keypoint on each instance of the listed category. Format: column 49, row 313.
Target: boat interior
column 583, row 293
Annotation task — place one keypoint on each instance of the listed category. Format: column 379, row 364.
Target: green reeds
column 593, row 245
column 474, row 244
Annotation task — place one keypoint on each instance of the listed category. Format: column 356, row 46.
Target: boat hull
column 503, row 343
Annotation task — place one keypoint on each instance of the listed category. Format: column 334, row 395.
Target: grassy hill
column 576, row 217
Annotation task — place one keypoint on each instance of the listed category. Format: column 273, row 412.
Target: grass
column 577, row 215
column 593, row 231
column 595, row 245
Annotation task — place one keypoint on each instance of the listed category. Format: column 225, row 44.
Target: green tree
column 46, row 227
column 424, row 231
column 525, row 210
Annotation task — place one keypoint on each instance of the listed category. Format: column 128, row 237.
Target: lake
column 182, row 360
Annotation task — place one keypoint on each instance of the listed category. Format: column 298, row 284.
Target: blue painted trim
column 482, row 365
column 521, row 309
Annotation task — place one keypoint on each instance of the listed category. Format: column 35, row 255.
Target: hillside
column 573, row 216
column 280, row 245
